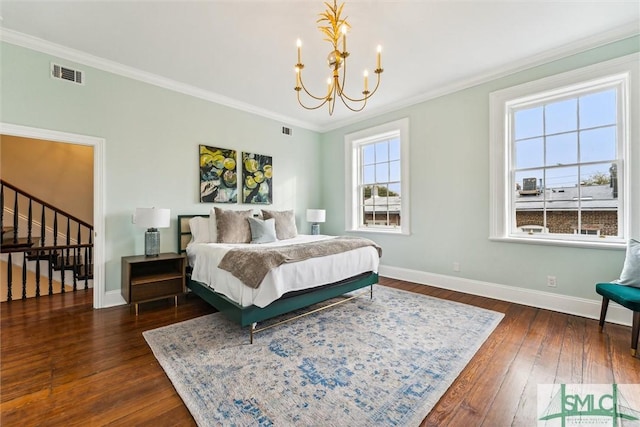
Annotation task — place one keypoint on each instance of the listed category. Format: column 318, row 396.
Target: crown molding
column 63, row 52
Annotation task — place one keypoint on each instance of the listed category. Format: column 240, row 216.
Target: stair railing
column 75, row 256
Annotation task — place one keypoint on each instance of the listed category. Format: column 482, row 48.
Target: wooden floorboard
column 63, row 363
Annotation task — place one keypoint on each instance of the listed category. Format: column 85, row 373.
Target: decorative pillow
column 199, row 227
column 285, row 223
column 262, row 231
column 630, row 275
column 232, row 226
column 213, row 226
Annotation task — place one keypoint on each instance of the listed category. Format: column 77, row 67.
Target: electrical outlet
column 456, row 266
column 552, row 282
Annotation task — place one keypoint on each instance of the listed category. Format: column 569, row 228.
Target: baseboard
column 112, row 298
column 546, row 300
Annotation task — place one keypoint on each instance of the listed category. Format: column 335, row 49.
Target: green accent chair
column 626, row 296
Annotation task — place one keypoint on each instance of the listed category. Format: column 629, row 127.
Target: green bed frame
column 250, row 316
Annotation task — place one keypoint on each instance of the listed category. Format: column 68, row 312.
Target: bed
column 285, row 288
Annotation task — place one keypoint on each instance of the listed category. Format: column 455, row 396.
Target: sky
column 555, row 137
column 381, row 164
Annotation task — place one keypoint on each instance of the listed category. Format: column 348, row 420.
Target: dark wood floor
column 63, row 363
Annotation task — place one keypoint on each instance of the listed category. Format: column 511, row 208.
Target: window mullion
column 579, row 183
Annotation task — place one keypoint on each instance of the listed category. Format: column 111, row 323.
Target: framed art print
column 218, row 175
column 257, row 177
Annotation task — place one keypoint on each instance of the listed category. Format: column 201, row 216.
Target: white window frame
column 353, row 142
column 623, row 71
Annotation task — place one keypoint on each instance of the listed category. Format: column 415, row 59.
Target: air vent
column 66, row 73
column 286, row 130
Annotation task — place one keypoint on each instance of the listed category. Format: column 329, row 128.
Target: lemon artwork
column 257, row 173
column 218, row 176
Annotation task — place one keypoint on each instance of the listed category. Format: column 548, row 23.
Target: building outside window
column 377, row 179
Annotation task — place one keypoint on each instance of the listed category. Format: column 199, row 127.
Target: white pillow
column 199, row 227
column 213, row 226
column 630, row 275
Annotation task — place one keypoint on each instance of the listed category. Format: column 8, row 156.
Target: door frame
column 98, row 144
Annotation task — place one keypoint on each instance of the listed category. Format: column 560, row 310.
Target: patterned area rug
column 385, row 361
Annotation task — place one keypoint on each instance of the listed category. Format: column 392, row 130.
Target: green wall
column 449, row 164
column 152, row 136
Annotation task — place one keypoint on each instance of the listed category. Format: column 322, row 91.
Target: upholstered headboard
column 184, row 232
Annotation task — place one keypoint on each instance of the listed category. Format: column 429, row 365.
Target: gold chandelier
column 335, row 28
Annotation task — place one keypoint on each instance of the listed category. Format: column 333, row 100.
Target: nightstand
column 148, row 278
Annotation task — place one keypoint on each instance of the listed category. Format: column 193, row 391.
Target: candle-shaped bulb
column 299, row 45
column 297, row 76
column 344, row 38
column 378, row 57
column 366, row 80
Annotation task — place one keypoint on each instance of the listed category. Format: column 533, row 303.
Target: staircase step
column 20, row 242
column 67, row 264
column 42, row 255
column 85, row 272
column 6, row 230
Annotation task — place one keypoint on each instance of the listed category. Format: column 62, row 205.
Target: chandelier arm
column 319, row 98
column 344, row 72
column 332, row 100
column 311, row 108
column 346, row 104
column 364, row 104
column 364, row 98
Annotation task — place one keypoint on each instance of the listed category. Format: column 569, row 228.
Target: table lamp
column 152, row 219
column 315, row 216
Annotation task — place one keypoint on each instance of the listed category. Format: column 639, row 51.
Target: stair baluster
column 55, row 228
column 67, row 260
column 29, row 221
column 24, row 275
column 15, row 219
column 51, row 261
column 43, row 229
column 38, row 275
column 9, row 278
column 86, row 268
column 74, row 269
column 62, row 270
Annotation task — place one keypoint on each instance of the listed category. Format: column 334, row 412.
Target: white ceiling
column 242, row 53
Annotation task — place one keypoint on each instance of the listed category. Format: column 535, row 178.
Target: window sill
column 611, row 244
column 378, row 231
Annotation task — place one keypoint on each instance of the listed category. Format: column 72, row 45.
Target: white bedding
column 205, row 257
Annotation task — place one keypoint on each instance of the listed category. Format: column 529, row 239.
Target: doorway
column 98, row 192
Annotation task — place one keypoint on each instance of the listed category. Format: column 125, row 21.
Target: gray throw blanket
column 250, row 265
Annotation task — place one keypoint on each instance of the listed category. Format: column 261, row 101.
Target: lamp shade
column 316, row 215
column 152, row 217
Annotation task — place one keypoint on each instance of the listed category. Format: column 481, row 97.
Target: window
column 561, row 157
column 377, row 171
